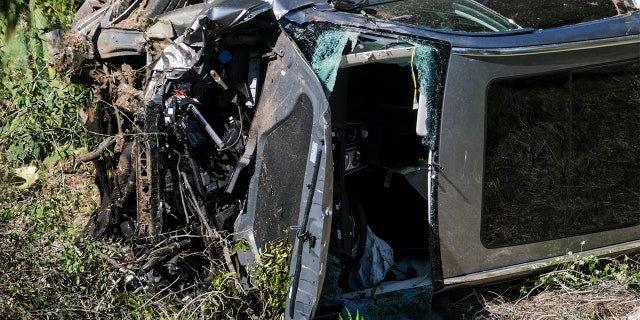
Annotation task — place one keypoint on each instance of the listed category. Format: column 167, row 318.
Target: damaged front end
column 221, row 132
column 222, row 138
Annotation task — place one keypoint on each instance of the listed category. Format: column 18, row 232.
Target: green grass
column 39, row 107
column 590, row 270
column 50, row 270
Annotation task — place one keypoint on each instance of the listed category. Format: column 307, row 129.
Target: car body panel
column 297, row 167
column 628, row 24
column 462, row 150
column 476, row 61
column 290, row 193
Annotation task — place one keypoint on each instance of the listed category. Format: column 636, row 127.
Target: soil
column 605, row 300
column 118, row 83
column 136, row 20
column 79, row 181
column 72, row 50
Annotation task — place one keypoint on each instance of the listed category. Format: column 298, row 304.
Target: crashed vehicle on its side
column 402, row 147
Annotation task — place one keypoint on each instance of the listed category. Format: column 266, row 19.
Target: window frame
column 464, row 260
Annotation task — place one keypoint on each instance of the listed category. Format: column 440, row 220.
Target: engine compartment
column 234, row 142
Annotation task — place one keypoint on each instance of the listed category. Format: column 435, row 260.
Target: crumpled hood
column 281, row 7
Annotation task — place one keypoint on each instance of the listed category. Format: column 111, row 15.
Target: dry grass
column 586, row 288
column 607, row 300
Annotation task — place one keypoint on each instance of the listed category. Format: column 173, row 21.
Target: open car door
column 539, row 149
column 290, row 191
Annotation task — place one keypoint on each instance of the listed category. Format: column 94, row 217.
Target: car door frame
column 290, row 192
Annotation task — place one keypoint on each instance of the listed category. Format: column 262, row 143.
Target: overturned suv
column 401, row 147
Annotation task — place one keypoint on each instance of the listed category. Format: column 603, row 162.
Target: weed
column 271, row 279
column 350, row 317
column 45, row 274
column 39, row 114
column 591, row 270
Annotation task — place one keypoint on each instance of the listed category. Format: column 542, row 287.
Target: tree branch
column 95, row 154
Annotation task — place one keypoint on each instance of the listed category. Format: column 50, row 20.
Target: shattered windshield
column 449, row 15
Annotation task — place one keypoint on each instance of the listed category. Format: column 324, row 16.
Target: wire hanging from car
column 184, row 207
column 415, row 82
column 239, row 133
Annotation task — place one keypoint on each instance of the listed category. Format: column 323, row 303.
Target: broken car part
column 297, row 120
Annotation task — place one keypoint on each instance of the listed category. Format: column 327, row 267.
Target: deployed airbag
column 372, row 268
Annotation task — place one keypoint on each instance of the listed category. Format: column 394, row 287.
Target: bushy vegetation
column 49, row 268
column 38, row 118
column 585, row 271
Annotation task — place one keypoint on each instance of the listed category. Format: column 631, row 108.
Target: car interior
column 381, row 170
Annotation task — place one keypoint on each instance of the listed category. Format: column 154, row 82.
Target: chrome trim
column 539, row 265
column 391, row 286
column 549, row 48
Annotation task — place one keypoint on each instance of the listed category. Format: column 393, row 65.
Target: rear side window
column 562, row 155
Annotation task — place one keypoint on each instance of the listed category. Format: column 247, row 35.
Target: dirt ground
column 605, row 300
